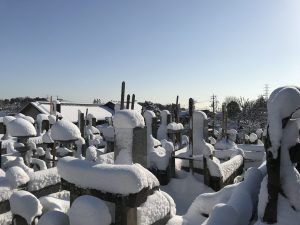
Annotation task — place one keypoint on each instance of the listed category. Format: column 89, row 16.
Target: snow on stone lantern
column 130, row 138
column 21, row 129
column 6, row 120
column 65, row 132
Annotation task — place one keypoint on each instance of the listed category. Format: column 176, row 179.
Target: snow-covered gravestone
column 42, row 123
column 200, row 132
column 281, row 142
column 130, row 138
column 162, row 129
column 151, row 122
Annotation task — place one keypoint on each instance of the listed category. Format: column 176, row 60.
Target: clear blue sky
column 82, row 50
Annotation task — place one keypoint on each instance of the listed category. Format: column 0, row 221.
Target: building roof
column 69, row 111
column 116, row 106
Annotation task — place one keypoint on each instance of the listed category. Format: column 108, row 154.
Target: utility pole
column 266, row 92
column 214, row 106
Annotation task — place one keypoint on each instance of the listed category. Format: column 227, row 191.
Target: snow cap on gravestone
column 128, row 119
column 21, row 128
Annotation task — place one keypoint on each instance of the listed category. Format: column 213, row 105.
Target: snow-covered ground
column 184, row 189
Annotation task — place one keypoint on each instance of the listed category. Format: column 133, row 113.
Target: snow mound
column 155, row 208
column 224, row 169
column 89, row 210
column 118, row 179
column 64, row 130
column 253, row 137
column 128, row 119
column 19, row 202
column 91, row 154
column 20, row 128
column 175, row 126
column 50, row 203
column 16, row 176
column 224, row 144
column 43, row 178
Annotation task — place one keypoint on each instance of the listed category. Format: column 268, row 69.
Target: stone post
column 122, row 95
column 128, row 101
column 81, row 123
column 132, row 101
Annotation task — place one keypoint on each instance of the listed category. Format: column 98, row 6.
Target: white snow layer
column 50, row 203
column 128, row 119
column 89, row 210
column 121, row 179
column 8, row 119
column 199, row 144
column 16, row 176
column 91, row 154
column 43, row 178
column 241, row 202
column 155, row 208
column 175, row 126
column 253, row 137
column 224, row 169
column 107, row 158
column 18, row 161
column 64, row 130
column 225, row 144
column 20, row 202
column 20, row 128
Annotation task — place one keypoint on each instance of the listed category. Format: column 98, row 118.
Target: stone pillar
column 128, row 101
column 132, row 101
column 122, row 95
column 81, row 122
column 139, row 146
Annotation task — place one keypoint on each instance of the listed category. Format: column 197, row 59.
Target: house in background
column 115, row 106
column 68, row 110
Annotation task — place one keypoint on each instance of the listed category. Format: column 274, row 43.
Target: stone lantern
column 22, row 129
